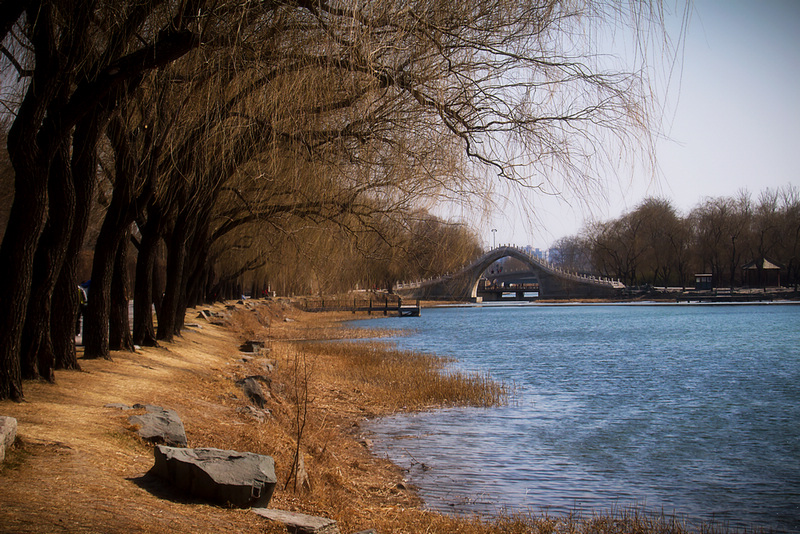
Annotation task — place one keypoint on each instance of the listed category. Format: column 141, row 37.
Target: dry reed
column 409, row 380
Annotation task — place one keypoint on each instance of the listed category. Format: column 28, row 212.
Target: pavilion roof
column 765, row 265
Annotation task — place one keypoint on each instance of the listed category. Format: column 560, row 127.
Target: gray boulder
column 159, row 425
column 253, row 390
column 225, row 477
column 8, row 433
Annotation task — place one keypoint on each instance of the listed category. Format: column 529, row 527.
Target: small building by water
column 703, row 281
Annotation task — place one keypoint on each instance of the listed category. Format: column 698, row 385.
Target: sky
column 732, row 122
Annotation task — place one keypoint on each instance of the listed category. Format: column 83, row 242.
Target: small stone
column 118, row 406
column 267, row 365
column 258, row 415
column 8, row 433
column 253, row 390
column 300, row 523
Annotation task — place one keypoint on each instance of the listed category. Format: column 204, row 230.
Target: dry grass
column 78, row 467
column 403, row 380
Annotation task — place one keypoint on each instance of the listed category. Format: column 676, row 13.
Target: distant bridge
column 554, row 282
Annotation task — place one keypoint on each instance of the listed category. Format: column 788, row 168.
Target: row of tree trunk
column 72, row 99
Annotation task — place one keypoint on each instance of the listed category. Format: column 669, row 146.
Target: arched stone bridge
column 554, row 283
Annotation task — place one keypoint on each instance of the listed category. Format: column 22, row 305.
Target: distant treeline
column 654, row 244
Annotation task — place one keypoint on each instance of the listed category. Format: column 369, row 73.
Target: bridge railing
column 541, row 263
column 554, row 269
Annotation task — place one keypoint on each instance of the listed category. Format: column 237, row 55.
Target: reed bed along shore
column 77, row 467
column 410, row 381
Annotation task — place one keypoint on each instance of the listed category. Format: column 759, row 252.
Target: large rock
column 225, row 477
column 159, row 425
column 8, row 433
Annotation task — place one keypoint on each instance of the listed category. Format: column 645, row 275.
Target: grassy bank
column 78, row 467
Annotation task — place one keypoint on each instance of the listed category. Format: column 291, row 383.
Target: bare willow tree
column 323, row 110
column 395, row 104
column 75, row 61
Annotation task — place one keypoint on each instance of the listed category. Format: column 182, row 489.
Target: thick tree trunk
column 120, row 215
column 29, row 152
column 63, row 317
column 65, row 298
column 25, row 223
column 37, row 357
column 144, row 286
column 119, row 325
column 96, row 318
column 176, row 258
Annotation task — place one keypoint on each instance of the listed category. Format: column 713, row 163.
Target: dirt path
column 78, row 467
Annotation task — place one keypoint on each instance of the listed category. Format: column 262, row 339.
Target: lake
column 693, row 410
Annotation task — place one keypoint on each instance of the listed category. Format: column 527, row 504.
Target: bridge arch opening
column 485, row 262
column 508, row 279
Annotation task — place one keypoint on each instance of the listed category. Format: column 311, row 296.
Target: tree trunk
column 144, row 286
column 63, row 317
column 65, row 298
column 25, row 223
column 176, row 257
column 120, row 215
column 37, row 357
column 197, row 255
column 29, row 152
column 96, row 318
column 114, row 229
column 119, row 325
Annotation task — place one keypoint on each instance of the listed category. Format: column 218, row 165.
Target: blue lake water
column 693, row 410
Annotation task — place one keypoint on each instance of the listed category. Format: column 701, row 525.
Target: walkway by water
column 689, row 409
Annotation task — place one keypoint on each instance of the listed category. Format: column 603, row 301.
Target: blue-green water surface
column 687, row 409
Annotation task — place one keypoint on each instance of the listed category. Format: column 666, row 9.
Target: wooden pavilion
column 761, row 273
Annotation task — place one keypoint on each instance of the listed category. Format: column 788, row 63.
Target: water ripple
column 687, row 409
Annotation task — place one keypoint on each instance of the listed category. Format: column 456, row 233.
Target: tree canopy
column 219, row 132
column 654, row 244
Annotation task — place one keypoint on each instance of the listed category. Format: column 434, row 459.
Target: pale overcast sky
column 733, row 119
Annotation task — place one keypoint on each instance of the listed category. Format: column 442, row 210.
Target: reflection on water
column 693, row 410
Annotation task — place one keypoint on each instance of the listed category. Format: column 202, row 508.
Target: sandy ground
column 78, row 466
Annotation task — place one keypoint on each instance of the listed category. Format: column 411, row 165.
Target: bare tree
column 303, row 110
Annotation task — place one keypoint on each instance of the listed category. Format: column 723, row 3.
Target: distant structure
column 537, row 253
column 554, row 283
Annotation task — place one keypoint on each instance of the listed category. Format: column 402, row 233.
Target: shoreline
column 77, row 465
